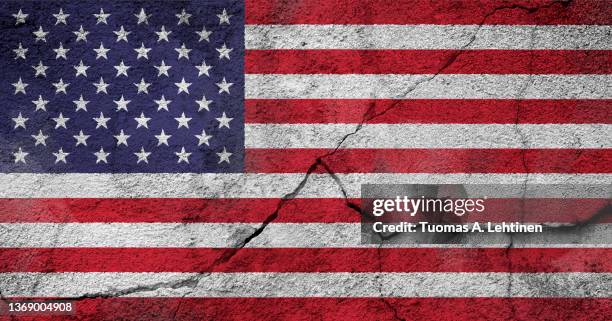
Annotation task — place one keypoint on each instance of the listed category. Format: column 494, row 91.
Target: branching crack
column 319, row 164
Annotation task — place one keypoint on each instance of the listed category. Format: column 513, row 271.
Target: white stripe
column 322, row 185
column 429, row 136
column 441, row 86
column 275, row 235
column 22, row 185
column 418, row 284
column 522, row 191
column 427, row 37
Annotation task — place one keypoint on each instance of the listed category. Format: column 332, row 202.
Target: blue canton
column 122, row 86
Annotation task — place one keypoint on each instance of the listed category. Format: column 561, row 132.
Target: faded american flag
column 203, row 159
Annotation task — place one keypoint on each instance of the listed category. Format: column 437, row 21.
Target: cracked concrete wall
column 321, row 176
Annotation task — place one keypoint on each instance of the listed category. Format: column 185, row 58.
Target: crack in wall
column 370, row 115
column 525, row 144
column 386, row 302
column 319, row 163
column 358, row 209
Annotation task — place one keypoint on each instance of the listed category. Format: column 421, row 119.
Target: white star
column 224, row 156
column 163, row 69
column 183, row 156
column 40, row 138
column 143, row 87
column 224, row 52
column 101, row 86
column 40, row 34
column 20, row 17
column 60, row 121
column 61, row 52
column 162, row 138
column 163, row 34
column 81, row 69
column 224, row 121
column 224, row 86
column 20, row 155
column 142, row 121
column 40, row 69
column 81, row 104
column 61, row 17
column 101, row 121
column 203, row 69
column 122, row 34
column 101, row 156
column 183, row 17
column 20, row 52
column 81, row 138
column 224, row 17
column 183, row 86
column 183, row 52
column 20, row 86
column 101, row 52
column 203, row 138
column 81, row 34
column 142, row 17
column 122, row 138
column 203, row 103
column 122, row 69
column 60, row 86
column 204, row 34
column 142, row 52
column 101, row 17
column 40, row 103
column 183, row 121
column 20, row 121
column 60, row 156
column 122, row 103
column 162, row 103
column 142, row 156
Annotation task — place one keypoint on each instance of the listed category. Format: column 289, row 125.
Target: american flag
column 203, row 159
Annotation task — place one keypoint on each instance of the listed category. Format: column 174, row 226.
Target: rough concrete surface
column 322, row 180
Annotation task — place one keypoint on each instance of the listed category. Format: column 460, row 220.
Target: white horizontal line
column 429, row 136
column 421, row 284
column 427, row 37
column 275, row 235
column 523, row 191
column 26, row 185
column 442, row 86
column 321, row 185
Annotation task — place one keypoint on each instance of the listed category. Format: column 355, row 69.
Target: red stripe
column 306, row 260
column 434, row 309
column 512, row 12
column 297, row 160
column 173, row 210
column 428, row 62
column 298, row 210
column 429, row 111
